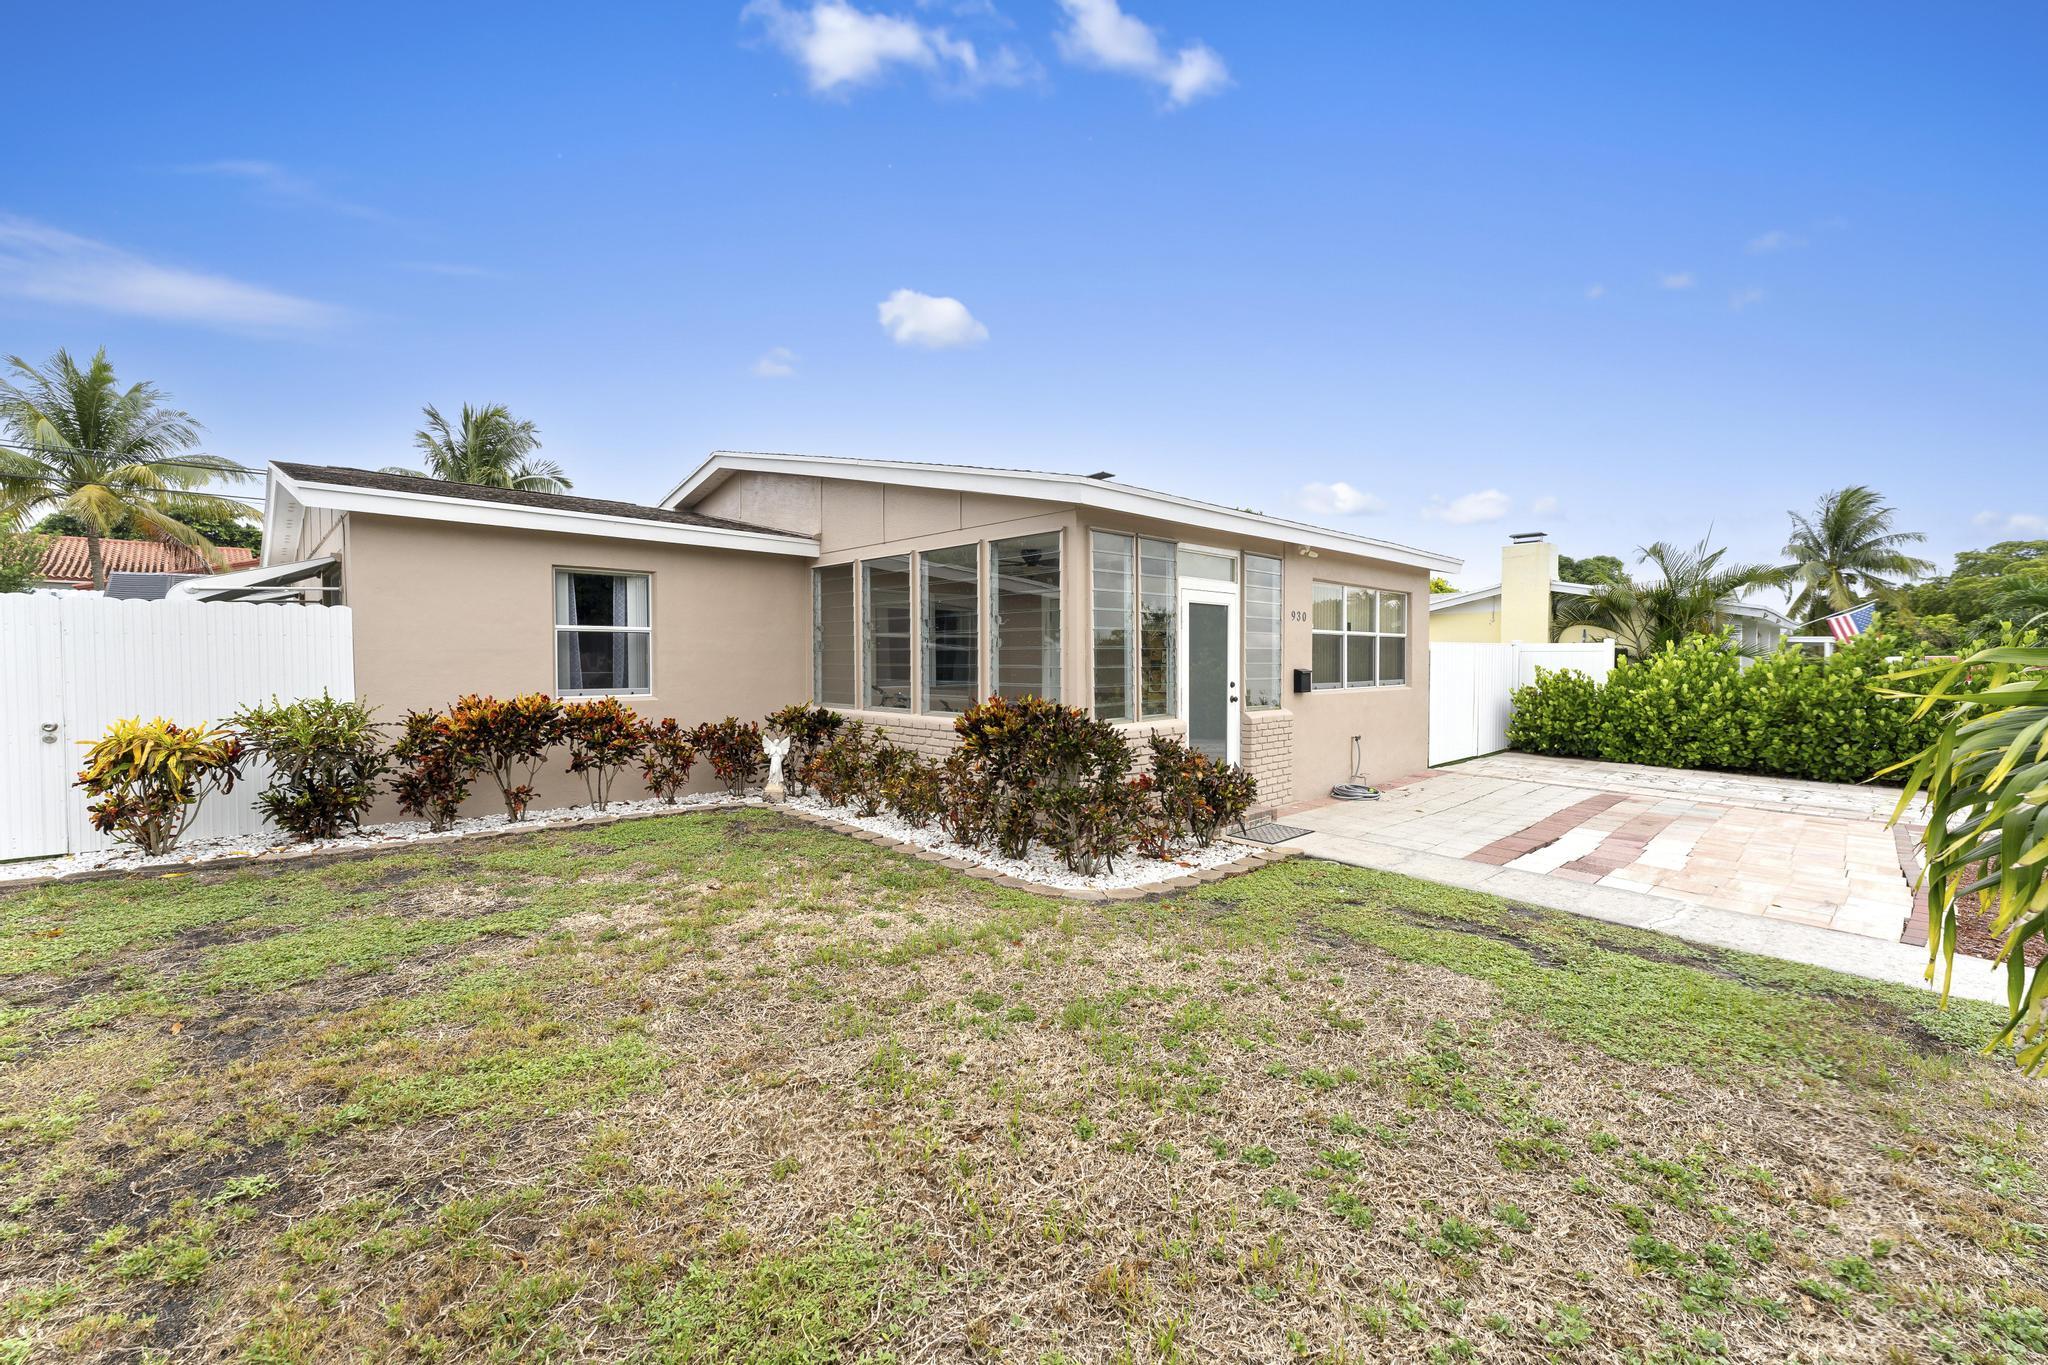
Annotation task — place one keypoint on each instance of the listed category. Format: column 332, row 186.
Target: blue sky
column 1624, row 272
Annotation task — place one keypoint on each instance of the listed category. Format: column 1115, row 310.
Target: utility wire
column 230, row 468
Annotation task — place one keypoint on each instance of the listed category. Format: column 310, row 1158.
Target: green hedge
column 1694, row 705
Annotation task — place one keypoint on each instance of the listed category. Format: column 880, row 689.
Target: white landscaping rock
column 1041, row 865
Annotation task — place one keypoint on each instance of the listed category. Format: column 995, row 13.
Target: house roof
column 68, row 561
column 295, row 487
column 1103, row 494
column 344, row 477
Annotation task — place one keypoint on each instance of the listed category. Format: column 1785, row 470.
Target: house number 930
column 1297, row 615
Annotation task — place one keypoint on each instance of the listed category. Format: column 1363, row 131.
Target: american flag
column 1849, row 624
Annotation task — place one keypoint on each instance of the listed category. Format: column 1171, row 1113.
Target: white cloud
column 1545, row 506
column 2015, row 523
column 777, row 362
column 1677, row 279
column 50, row 265
column 1596, row 291
column 1745, row 298
column 1100, row 34
column 279, row 183
column 841, row 47
column 1489, row 504
column 1777, row 239
column 1337, row 499
column 914, row 319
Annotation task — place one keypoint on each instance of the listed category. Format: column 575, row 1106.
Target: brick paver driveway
column 1815, row 853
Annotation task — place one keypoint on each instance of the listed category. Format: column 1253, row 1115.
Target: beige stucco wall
column 1297, row 752
column 441, row 609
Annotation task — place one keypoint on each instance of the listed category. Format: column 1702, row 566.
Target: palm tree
column 488, row 447
column 81, row 444
column 1644, row 615
column 1848, row 552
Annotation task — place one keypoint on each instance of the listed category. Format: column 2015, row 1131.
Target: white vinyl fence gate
column 1470, row 686
column 73, row 663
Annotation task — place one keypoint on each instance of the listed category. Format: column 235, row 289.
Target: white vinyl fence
column 1469, row 688
column 73, row 663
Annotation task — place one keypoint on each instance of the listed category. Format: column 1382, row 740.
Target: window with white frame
column 885, row 631
column 832, row 636
column 1113, row 579
column 1158, row 628
column 1262, row 616
column 949, row 589
column 1360, row 636
column 603, row 633
column 1024, row 616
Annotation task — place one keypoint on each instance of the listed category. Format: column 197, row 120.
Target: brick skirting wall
column 1266, row 744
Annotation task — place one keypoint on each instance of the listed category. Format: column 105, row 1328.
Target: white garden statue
column 777, row 750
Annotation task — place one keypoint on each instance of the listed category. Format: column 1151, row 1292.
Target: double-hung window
column 1360, row 636
column 603, row 633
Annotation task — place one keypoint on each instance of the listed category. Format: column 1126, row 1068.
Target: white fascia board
column 1459, row 599
column 1105, row 495
column 1730, row 607
column 284, row 518
column 557, row 521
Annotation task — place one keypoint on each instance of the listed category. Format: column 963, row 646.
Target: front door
column 1208, row 671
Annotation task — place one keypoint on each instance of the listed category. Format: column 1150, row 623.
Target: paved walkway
column 1806, row 871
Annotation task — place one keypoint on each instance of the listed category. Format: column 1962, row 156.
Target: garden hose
column 1356, row 789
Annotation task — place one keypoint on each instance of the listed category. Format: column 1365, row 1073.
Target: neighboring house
column 67, row 563
column 898, row 593
column 1518, row 608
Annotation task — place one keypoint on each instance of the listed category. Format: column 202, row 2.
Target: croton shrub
column 1032, row 772
column 148, row 778
column 325, row 756
column 509, row 739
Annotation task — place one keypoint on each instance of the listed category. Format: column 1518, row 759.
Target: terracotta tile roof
column 66, row 563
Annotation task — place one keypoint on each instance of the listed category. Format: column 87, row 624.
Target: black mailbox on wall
column 1304, row 681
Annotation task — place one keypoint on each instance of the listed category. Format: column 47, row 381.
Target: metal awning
column 268, row 583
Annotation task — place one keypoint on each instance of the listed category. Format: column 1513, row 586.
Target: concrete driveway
column 1806, row 871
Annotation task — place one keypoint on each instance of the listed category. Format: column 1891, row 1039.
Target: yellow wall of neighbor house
column 1477, row 623
column 442, row 609
column 1526, row 573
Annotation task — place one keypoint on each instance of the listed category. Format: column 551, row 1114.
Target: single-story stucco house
column 1519, row 607
column 893, row 591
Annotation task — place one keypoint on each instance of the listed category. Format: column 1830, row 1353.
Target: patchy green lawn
column 725, row 1088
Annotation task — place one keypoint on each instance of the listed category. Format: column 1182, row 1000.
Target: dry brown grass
column 721, row 1088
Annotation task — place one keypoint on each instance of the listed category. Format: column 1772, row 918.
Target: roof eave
column 558, row 521
column 1101, row 494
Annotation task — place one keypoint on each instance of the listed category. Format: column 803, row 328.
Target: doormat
column 1270, row 833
